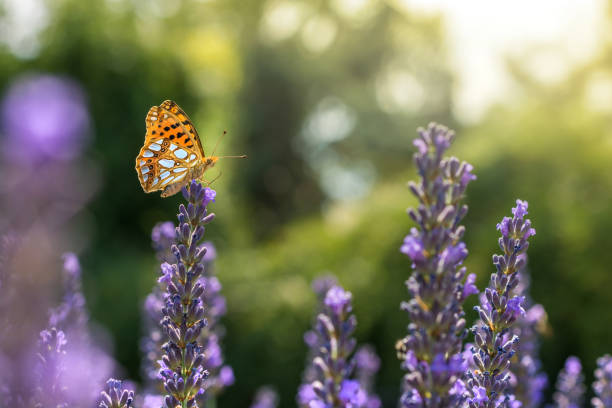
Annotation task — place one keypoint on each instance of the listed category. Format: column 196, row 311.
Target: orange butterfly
column 172, row 154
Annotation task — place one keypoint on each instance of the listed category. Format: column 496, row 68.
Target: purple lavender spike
column 116, row 395
column 329, row 378
column 528, row 381
column 207, row 288
column 488, row 379
column 50, row 368
column 431, row 351
column 187, row 351
column 603, row 383
column 570, row 385
column 266, row 397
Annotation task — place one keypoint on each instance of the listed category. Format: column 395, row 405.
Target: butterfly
column 172, row 154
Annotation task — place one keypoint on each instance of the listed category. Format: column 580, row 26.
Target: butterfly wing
column 172, row 147
column 171, row 109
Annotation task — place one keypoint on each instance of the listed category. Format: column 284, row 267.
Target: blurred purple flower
column 226, row 376
column 71, row 315
column 85, row 364
column 50, row 369
column 311, row 338
column 337, row 299
column 88, row 366
column 44, row 116
column 469, row 288
column 322, row 284
column 162, row 238
column 152, row 401
column 366, row 359
column 603, row 383
column 351, row 394
column 306, row 394
column 265, row 397
column 528, row 381
column 211, row 251
column 367, row 364
column 570, row 385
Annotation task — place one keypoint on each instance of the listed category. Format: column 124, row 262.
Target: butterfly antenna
column 242, row 156
column 218, row 141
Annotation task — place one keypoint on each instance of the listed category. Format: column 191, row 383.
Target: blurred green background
column 325, row 97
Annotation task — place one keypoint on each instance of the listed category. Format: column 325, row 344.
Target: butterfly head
column 210, row 161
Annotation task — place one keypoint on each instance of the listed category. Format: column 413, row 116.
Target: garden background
column 324, row 97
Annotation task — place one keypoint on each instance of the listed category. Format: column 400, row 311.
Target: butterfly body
column 195, row 172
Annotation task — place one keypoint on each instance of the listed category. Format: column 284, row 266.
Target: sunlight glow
column 482, row 34
column 21, row 23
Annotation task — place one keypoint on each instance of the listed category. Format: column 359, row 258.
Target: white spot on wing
column 142, row 162
column 145, row 177
column 179, row 169
column 144, row 170
column 147, row 153
column 155, row 180
column 167, row 181
column 164, row 174
column 172, row 147
column 154, row 147
column 193, row 156
column 166, row 163
column 180, row 153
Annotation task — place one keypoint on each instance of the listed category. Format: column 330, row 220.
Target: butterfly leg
column 209, row 183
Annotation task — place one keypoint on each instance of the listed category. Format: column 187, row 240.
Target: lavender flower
column 266, row 397
column 320, row 286
column 163, row 237
column 367, row 364
column 183, row 319
column 44, row 116
column 71, row 314
column 116, row 396
column 50, row 369
column 431, row 352
column 570, row 385
column 87, row 363
column 332, row 366
column 603, row 383
column 489, row 379
column 8, row 244
column 151, row 401
column 528, row 381
column 153, row 340
column 219, row 375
